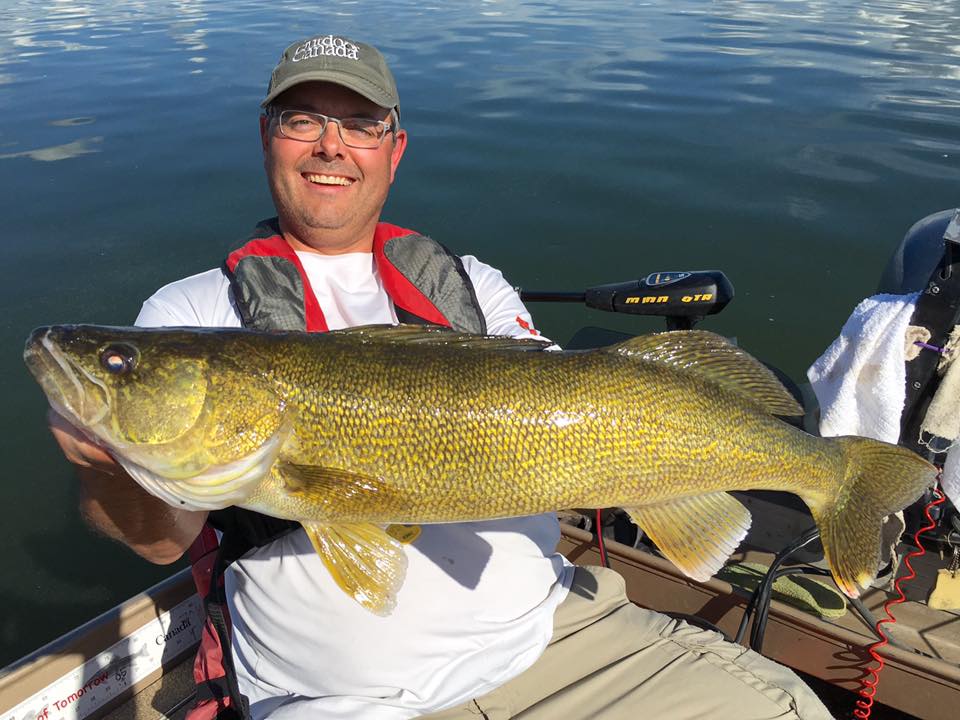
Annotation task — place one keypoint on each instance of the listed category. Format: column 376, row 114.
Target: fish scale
column 348, row 431
column 451, row 465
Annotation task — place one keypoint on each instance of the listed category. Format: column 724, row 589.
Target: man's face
column 329, row 195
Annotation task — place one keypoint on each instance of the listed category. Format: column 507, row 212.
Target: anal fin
column 363, row 560
column 697, row 534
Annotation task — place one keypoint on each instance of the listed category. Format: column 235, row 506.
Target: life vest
column 426, row 282
column 427, row 285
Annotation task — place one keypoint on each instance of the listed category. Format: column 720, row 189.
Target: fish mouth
column 72, row 391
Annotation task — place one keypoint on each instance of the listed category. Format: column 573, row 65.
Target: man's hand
column 114, row 504
column 78, row 448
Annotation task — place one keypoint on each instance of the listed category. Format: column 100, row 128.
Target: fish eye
column 118, row 359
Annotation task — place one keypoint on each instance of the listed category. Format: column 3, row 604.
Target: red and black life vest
column 427, row 285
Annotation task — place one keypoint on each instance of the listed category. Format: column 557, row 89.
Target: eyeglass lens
column 309, row 127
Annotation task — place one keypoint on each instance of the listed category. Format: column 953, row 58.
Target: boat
column 135, row 661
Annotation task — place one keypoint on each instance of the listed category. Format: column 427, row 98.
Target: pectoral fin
column 324, row 484
column 364, row 561
column 697, row 534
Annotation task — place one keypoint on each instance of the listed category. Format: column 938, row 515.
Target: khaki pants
column 609, row 659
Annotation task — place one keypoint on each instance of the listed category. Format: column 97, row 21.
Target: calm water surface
column 788, row 143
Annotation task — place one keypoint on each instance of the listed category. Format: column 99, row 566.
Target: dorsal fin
column 438, row 335
column 715, row 359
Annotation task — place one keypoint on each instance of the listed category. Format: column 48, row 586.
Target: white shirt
column 476, row 608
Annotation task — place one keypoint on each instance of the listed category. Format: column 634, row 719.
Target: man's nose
column 330, row 143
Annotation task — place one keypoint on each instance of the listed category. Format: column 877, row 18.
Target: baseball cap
column 336, row 59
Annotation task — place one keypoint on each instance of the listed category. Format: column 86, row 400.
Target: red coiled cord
column 868, row 684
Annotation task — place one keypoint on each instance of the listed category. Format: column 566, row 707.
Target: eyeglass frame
column 275, row 111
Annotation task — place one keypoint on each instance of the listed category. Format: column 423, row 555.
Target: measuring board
column 104, row 677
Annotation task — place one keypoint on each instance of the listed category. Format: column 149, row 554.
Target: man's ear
column 399, row 145
column 264, row 132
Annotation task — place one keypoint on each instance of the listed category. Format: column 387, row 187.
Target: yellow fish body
column 351, row 430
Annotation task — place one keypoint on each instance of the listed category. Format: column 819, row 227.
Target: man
column 490, row 620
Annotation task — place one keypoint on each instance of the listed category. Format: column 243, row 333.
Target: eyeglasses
column 355, row 132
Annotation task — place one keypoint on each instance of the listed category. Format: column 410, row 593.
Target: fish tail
column 879, row 480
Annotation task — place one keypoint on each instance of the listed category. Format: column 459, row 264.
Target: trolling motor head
column 683, row 298
column 931, row 242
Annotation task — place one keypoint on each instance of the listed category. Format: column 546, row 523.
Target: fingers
column 77, row 447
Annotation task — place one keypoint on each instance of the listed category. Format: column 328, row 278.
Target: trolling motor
column 683, row 298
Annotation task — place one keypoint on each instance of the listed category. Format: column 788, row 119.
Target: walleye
column 349, row 431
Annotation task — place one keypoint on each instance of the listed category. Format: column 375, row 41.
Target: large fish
column 349, row 431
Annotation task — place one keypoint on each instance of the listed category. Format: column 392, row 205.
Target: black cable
column 867, row 616
column 761, row 596
column 760, row 624
column 747, row 612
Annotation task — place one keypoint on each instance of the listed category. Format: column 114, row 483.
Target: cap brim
column 360, row 85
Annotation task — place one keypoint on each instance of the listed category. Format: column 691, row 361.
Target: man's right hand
column 114, row 504
column 78, row 448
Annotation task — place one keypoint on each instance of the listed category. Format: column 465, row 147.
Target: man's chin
column 324, row 233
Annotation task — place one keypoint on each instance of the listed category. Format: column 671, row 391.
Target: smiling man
column 490, row 621
column 328, row 187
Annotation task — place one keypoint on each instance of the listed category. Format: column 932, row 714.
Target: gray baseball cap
column 336, row 59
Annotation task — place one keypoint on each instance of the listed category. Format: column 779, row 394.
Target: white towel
column 860, row 379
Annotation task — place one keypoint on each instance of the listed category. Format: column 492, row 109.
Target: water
column 788, row 143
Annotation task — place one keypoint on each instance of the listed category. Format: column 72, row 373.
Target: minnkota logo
column 329, row 45
column 659, row 299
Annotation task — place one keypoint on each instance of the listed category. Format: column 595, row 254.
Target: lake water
column 569, row 142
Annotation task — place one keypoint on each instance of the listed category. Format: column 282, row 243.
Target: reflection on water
column 789, row 143
column 70, row 122
column 59, row 152
column 38, row 28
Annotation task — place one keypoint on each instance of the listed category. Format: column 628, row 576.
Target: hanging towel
column 860, row 379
